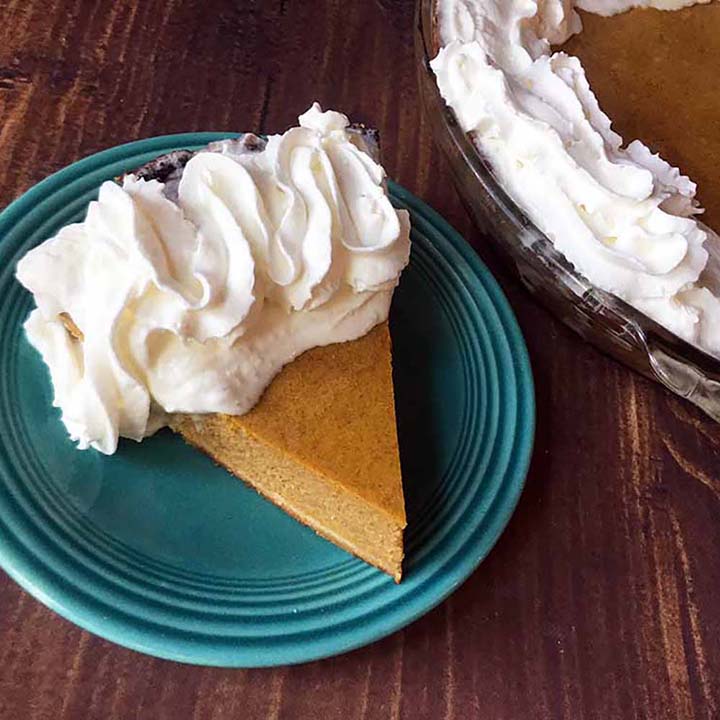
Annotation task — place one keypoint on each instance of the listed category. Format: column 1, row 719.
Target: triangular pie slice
column 322, row 445
column 322, row 441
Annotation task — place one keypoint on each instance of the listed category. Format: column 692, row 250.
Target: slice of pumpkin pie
column 240, row 295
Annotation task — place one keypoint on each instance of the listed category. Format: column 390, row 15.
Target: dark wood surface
column 600, row 600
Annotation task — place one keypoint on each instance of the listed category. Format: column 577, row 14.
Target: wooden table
column 601, row 598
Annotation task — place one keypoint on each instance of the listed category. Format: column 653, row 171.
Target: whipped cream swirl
column 622, row 216
column 193, row 306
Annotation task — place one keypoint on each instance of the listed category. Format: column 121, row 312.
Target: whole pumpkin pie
column 598, row 117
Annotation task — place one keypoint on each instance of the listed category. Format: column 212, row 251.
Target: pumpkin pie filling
column 657, row 75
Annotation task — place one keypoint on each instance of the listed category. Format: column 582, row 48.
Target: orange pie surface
column 322, row 445
column 657, row 75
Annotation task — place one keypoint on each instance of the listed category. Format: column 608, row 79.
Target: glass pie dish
column 606, row 321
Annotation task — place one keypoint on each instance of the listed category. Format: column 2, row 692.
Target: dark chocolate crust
column 168, row 168
column 162, row 167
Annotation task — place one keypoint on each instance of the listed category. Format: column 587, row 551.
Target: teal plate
column 157, row 549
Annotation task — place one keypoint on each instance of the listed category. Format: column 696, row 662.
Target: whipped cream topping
column 194, row 306
column 620, row 214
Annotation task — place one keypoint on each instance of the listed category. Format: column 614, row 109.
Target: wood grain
column 599, row 601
